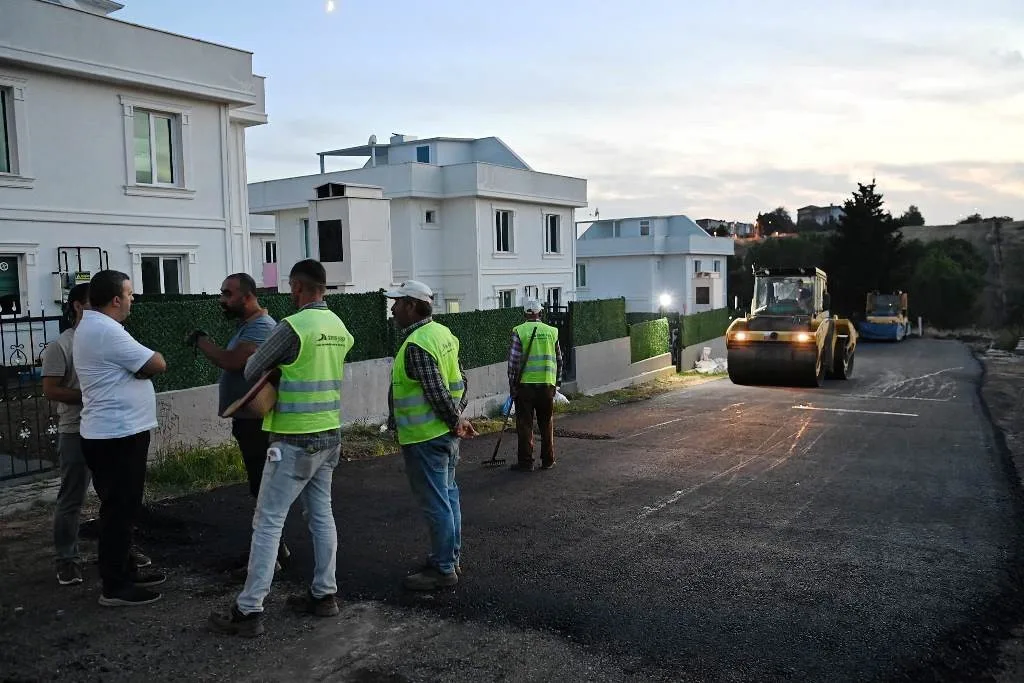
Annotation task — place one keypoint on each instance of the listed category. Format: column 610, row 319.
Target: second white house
column 654, row 262
column 467, row 216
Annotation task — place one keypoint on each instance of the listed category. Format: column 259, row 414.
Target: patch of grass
column 580, row 403
column 1006, row 340
column 198, row 468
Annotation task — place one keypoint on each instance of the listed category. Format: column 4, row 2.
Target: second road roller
column 790, row 337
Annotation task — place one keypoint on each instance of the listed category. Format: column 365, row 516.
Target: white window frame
column 547, row 234
column 717, row 265
column 270, row 244
column 188, row 253
column 181, row 148
column 161, row 259
column 499, row 290
column 581, row 283
column 20, row 175
column 696, row 265
column 645, row 224
column 561, row 294
column 511, row 233
column 452, row 306
column 27, row 254
column 305, row 241
column 531, row 291
column 430, row 219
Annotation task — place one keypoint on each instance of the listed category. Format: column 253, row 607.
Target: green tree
column 973, row 218
column 778, row 252
column 777, row 220
column 912, row 216
column 865, row 252
column 947, row 282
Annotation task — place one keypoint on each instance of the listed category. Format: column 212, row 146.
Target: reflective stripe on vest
column 414, row 416
column 542, row 365
column 309, row 393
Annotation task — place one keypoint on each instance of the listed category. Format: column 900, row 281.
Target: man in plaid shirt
column 428, row 395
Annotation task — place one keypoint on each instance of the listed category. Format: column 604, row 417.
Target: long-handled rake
column 495, row 461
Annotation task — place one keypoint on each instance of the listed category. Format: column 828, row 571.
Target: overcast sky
column 719, row 109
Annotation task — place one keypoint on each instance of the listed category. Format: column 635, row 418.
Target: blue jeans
column 430, row 467
column 297, row 473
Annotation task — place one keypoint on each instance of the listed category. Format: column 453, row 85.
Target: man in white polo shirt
column 118, row 412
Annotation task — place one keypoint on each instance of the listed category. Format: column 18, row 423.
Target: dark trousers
column 253, row 442
column 119, row 476
column 74, row 484
column 536, row 399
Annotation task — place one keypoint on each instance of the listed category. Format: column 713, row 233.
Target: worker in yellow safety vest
column 308, row 348
column 534, row 374
column 426, row 402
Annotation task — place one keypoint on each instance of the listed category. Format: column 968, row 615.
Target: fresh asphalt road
column 859, row 531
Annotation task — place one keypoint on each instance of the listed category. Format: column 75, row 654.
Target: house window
column 506, row 298
column 645, row 228
column 452, row 305
column 5, row 141
column 161, row 275
column 503, row 231
column 10, row 285
column 554, row 297
column 531, row 291
column 305, row 238
column 703, row 296
column 423, row 154
column 718, row 266
column 552, row 234
column 581, row 274
column 270, row 251
column 697, row 266
column 331, row 248
column 155, row 148
column 430, row 217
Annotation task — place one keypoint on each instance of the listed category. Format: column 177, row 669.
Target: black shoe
column 234, row 623
column 547, row 465
column 141, row 559
column 68, row 573
column 283, row 556
column 429, row 579
column 305, row 603
column 522, row 467
column 148, row 579
column 128, row 597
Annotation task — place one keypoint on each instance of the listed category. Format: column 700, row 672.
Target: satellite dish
column 373, row 139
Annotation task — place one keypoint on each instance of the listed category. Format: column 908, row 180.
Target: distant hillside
column 1003, row 249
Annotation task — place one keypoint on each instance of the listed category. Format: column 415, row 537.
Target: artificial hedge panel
column 598, row 320
column 700, row 327
column 163, row 325
column 648, row 339
column 484, row 336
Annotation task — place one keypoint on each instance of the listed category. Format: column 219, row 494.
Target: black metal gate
column 28, row 421
column 560, row 317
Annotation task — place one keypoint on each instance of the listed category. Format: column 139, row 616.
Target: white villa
column 467, row 216
column 648, row 257
column 121, row 147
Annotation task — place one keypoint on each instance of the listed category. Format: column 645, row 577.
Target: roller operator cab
column 790, row 337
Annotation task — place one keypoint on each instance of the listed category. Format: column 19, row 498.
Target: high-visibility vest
column 309, row 395
column 541, row 367
column 415, row 419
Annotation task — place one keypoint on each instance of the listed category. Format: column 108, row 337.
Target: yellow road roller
column 789, row 337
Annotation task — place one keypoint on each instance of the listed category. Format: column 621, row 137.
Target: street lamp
column 664, row 300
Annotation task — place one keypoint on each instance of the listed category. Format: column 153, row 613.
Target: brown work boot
column 305, row 603
column 429, row 579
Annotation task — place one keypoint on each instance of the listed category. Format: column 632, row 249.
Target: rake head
column 493, row 462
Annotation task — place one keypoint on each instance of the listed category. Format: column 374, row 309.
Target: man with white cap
column 534, row 372
column 426, row 401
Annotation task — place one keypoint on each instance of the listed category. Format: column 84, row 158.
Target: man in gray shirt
column 238, row 301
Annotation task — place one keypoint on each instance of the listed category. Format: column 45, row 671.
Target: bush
column 701, row 327
column 648, row 339
column 597, row 321
column 484, row 336
column 162, row 326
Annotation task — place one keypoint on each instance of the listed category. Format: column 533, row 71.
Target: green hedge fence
column 598, row 320
column 701, row 327
column 163, row 325
column 648, row 339
column 484, row 336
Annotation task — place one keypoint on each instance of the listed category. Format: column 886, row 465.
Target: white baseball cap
column 413, row 289
column 533, row 306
